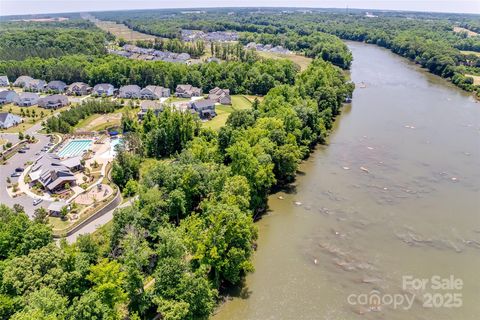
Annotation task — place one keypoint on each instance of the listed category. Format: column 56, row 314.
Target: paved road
column 95, row 224
column 19, row 160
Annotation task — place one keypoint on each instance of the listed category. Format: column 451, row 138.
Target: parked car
column 19, row 170
column 22, row 151
column 15, row 174
column 37, row 201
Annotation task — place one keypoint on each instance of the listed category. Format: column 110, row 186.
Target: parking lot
column 18, row 161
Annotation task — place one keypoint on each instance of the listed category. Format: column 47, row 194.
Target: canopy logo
column 435, row 292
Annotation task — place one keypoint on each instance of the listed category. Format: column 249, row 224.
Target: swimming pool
column 74, row 148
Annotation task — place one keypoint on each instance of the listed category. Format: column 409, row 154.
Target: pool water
column 113, row 144
column 75, row 148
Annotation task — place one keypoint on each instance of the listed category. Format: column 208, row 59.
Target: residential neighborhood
column 8, row 120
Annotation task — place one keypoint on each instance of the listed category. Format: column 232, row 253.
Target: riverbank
column 417, row 138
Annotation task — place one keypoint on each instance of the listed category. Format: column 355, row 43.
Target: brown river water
column 393, row 197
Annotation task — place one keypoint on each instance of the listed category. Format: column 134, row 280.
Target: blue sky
column 9, row 7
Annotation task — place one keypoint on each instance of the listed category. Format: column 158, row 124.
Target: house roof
column 150, row 104
column 77, row 84
column 28, row 95
column 202, row 104
column 57, row 206
column 22, row 79
column 4, row 115
column 4, row 79
column 157, row 90
column 130, row 88
column 103, row 86
column 54, row 98
column 5, row 93
column 56, row 84
column 72, row 162
column 50, row 171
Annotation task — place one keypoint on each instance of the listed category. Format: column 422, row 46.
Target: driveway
column 19, row 160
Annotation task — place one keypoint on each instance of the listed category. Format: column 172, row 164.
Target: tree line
column 19, row 41
column 66, row 120
column 252, row 77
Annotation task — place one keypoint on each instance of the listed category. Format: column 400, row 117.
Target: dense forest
column 21, row 40
column 427, row 38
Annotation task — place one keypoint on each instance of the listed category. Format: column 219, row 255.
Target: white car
column 37, row 201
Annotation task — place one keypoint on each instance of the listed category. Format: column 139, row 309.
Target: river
column 395, row 194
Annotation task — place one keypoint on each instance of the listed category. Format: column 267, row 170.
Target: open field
column 97, row 122
column 299, row 60
column 471, row 52
column 223, row 111
column 476, row 79
column 469, row 32
column 122, row 31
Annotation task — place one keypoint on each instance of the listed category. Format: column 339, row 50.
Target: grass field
column 299, row 60
column 469, row 32
column 471, row 52
column 27, row 121
column 122, row 31
column 223, row 111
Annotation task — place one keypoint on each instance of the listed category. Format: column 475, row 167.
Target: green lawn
column 239, row 102
column 28, row 121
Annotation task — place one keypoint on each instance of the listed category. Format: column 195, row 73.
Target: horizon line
column 237, row 7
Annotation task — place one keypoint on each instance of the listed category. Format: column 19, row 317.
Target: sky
column 15, row 7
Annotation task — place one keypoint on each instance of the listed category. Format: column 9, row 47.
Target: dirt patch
column 476, row 79
column 107, row 120
column 469, row 32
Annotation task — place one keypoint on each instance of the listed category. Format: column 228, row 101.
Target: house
column 53, row 101
column 204, row 108
column 55, row 208
column 221, row 96
column 154, row 92
column 103, row 89
column 78, row 89
column 35, row 85
column 130, row 92
column 8, row 96
column 21, row 81
column 146, row 105
column 56, row 86
column 187, row 91
column 51, row 173
column 27, row 99
column 8, row 120
column 4, row 81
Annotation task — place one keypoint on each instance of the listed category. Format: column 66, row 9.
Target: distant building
column 21, row 81
column 51, row 173
column 53, row 101
column 56, row 86
column 187, row 91
column 146, row 105
column 221, row 96
column 103, row 89
column 8, row 96
column 78, row 89
column 35, row 85
column 130, row 92
column 154, row 92
column 8, row 120
column 204, row 108
column 4, row 81
column 27, row 99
